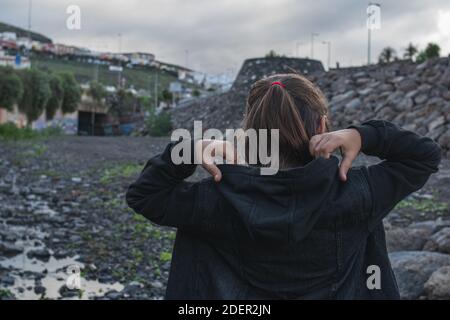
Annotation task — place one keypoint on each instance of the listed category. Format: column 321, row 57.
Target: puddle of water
column 54, row 269
column 24, row 288
column 22, row 262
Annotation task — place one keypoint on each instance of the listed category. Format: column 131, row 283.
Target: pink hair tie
column 278, row 83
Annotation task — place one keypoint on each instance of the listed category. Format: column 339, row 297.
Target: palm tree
column 432, row 50
column 410, row 51
column 272, row 54
column 387, row 55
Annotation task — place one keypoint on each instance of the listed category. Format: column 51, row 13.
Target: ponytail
column 294, row 106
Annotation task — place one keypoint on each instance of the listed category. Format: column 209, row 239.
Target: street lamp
column 328, row 43
column 297, row 48
column 119, row 42
column 313, row 34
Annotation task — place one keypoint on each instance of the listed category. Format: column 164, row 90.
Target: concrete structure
column 8, row 36
column 16, row 62
column 140, row 58
column 13, row 116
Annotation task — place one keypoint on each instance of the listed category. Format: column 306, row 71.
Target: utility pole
column 119, row 51
column 96, row 72
column 187, row 58
column 29, row 19
column 328, row 43
column 369, row 40
column 313, row 34
column 156, row 86
column 119, row 46
column 297, row 48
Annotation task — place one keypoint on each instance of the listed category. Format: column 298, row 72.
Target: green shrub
column 51, row 131
column 160, row 124
column 9, row 131
column 431, row 51
column 11, row 88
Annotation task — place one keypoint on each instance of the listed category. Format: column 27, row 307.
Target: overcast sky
column 220, row 34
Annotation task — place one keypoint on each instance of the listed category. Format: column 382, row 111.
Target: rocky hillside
column 5, row 27
column 416, row 96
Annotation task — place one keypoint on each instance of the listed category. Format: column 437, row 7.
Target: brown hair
column 292, row 104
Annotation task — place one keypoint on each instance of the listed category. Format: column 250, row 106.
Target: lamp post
column 313, row 34
column 328, row 43
column 29, row 19
column 297, row 48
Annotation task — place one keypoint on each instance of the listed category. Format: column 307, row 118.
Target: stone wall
column 415, row 96
column 258, row 68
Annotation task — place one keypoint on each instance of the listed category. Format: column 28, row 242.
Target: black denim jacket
column 298, row 234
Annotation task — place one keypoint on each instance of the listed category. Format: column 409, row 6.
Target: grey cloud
column 221, row 33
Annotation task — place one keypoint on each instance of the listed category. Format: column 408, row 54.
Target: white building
column 24, row 42
column 140, row 58
column 16, row 62
column 8, row 36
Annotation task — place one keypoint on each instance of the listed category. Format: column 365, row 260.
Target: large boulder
column 9, row 250
column 409, row 238
column 413, row 268
column 438, row 285
column 440, row 241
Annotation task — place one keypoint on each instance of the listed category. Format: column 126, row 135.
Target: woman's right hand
column 349, row 140
column 206, row 151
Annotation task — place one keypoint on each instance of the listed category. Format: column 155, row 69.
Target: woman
column 311, row 231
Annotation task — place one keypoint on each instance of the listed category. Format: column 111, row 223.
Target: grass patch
column 121, row 170
column 140, row 78
column 9, row 131
column 137, row 255
column 48, row 173
column 424, row 205
column 165, row 256
column 6, row 293
column 115, row 203
column 34, row 151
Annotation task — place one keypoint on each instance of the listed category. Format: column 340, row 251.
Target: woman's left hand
column 322, row 145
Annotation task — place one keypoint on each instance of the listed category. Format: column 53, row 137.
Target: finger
column 346, row 164
column 315, row 140
column 330, row 146
column 213, row 170
column 326, row 155
column 321, row 147
column 312, row 143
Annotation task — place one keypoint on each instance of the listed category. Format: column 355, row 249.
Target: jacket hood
column 281, row 208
